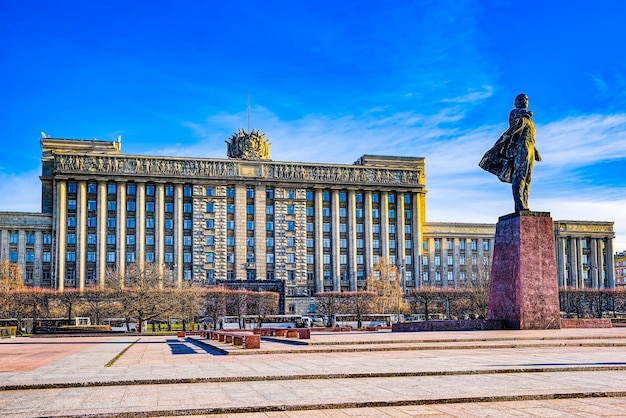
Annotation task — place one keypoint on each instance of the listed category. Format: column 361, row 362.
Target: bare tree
column 331, row 304
column 360, row 303
column 214, row 304
column 10, row 276
column 140, row 292
column 384, row 280
column 262, row 304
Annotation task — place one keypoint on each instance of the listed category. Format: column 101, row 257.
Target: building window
column 130, row 239
column 291, row 258
column 291, row 226
column 130, row 257
column 250, row 193
column 208, row 240
column 230, row 192
column 169, row 207
column 230, row 225
column 486, row 245
column 169, row 190
column 111, row 188
column 186, row 257
column 45, row 257
column 169, row 240
column 168, row 258
column 250, row 225
column 269, row 242
column 291, row 194
column 71, row 204
column 30, row 256
column 209, row 223
column 230, row 208
column 149, row 223
column 111, row 257
column 149, row 206
column 187, row 240
column 149, row 239
column 309, row 259
column 208, row 191
column 209, row 207
column 130, row 189
column 91, row 239
column 187, row 191
column 71, row 221
column 150, row 257
column 130, row 223
column 13, row 256
column 110, row 239
column 47, row 239
column 269, row 258
column 269, row 210
column 230, row 241
column 450, row 260
column 91, row 188
column 269, row 226
column 187, row 223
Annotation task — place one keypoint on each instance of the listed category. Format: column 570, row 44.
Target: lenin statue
column 513, row 155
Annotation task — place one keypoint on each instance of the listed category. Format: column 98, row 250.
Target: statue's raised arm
column 513, row 155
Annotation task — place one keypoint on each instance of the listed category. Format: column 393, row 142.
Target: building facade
column 307, row 227
column 620, row 270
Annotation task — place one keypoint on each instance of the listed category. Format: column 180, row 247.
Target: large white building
column 306, row 227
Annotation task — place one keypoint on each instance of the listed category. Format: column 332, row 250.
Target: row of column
column 571, row 268
column 120, row 231
column 368, row 250
column 483, row 258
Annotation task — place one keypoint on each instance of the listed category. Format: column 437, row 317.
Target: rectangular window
column 71, row 256
column 208, row 191
column 130, row 222
column 91, row 188
column 91, row 239
column 269, row 258
column 291, row 226
column 169, row 207
column 111, row 205
column 71, row 221
column 187, row 223
column 45, row 257
column 47, row 239
column 209, row 224
column 230, row 192
column 309, row 259
column 250, row 225
column 450, row 260
column 149, row 239
column 450, row 276
column 186, row 257
column 149, row 206
column 230, row 225
column 269, row 242
column 111, row 188
column 13, row 256
column 150, row 257
column 91, row 205
column 110, row 239
column 326, row 258
column 291, row 209
column 230, row 208
column 392, row 213
column 309, row 227
column 71, row 239
column 187, row 191
column 110, row 222
column 208, row 240
column 209, row 207
column 130, row 239
column 250, row 209
column 374, row 197
column 269, row 226
column 30, row 256
column 169, row 240
column 269, row 210
column 309, row 195
column 168, row 258
column 230, row 241
column 291, row 258
column 291, row 194
column 169, row 190
column 130, row 189
column 359, row 212
column 130, row 206
column 250, row 193
column 208, row 257
column 130, row 257
column 450, row 244
column 343, row 259
column 150, row 190
column 187, row 240
column 150, row 223
column 250, row 242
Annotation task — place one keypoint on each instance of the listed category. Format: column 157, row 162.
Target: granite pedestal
column 523, row 291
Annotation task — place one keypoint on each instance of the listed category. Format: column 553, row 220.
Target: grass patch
column 120, row 354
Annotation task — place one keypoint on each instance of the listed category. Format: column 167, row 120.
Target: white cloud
column 21, row 192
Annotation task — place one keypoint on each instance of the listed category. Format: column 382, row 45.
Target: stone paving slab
column 292, row 383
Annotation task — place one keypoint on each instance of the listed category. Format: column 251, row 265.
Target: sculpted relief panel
column 154, row 166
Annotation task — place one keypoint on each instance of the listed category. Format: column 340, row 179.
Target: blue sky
column 329, row 81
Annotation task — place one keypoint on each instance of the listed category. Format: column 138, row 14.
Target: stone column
column 260, row 236
column 560, row 261
column 240, row 232
column 368, row 234
column 81, row 233
column 579, row 263
column 120, row 241
column 101, row 222
column 140, row 223
column 159, row 228
column 444, row 262
column 352, row 266
column 610, row 263
column 417, row 237
column 602, row 264
column 334, row 227
column 384, row 224
column 593, row 263
column 178, row 233
column 38, row 261
column 319, row 238
column 400, row 246
column 61, row 233
column 573, row 262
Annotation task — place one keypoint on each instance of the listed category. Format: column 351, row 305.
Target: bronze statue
column 513, row 155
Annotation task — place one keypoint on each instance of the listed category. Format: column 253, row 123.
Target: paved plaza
column 569, row 372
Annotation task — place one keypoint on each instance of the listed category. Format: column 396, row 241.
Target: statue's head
column 521, row 101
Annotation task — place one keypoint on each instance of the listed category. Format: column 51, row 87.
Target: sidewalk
column 567, row 372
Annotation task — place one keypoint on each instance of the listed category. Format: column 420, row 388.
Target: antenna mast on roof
column 248, row 112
